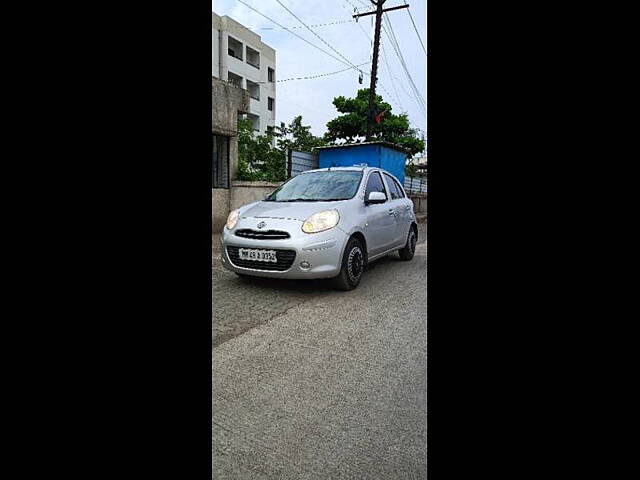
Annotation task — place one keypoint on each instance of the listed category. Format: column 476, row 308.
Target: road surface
column 313, row 383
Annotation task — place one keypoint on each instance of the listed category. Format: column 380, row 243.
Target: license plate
column 257, row 255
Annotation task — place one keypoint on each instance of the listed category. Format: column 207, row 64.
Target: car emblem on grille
column 261, row 225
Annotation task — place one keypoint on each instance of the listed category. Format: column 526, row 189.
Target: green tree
column 352, row 124
column 410, row 170
column 296, row 136
column 257, row 158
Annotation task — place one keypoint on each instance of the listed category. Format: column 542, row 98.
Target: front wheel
column 409, row 249
column 353, row 262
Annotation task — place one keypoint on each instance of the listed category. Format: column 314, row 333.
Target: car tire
column 353, row 264
column 409, row 249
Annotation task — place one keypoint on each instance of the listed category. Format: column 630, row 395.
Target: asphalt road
column 313, row 383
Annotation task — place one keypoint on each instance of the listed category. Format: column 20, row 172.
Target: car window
column 321, row 186
column 393, row 188
column 374, row 184
column 400, row 191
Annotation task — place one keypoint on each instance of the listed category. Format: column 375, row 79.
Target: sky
column 294, row 58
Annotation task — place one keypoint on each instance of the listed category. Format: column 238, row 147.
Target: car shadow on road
column 383, row 262
column 308, row 286
column 298, row 286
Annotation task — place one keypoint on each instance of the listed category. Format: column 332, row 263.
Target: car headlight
column 321, row 221
column 232, row 219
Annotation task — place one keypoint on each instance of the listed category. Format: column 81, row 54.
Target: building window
column 254, row 90
column 253, row 57
column 271, row 103
column 255, row 121
column 235, row 48
column 271, row 73
column 220, row 161
column 235, row 79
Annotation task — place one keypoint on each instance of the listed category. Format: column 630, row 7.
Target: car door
column 406, row 212
column 397, row 204
column 380, row 225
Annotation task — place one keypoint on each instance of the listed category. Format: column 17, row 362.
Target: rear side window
column 400, row 192
column 393, row 188
column 374, row 184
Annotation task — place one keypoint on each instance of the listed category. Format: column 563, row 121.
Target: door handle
column 392, row 212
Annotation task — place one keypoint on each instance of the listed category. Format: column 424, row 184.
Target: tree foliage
column 296, row 136
column 257, row 158
column 351, row 126
column 410, row 170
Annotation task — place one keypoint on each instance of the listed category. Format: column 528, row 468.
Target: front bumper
column 322, row 251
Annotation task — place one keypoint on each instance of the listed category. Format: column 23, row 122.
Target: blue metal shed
column 374, row 154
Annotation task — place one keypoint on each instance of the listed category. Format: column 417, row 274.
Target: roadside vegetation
column 264, row 157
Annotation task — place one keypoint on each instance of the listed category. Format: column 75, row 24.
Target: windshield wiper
column 309, row 200
column 299, row 200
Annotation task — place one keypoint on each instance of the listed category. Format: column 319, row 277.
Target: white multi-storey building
column 240, row 57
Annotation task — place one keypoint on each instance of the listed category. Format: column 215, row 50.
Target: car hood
column 287, row 210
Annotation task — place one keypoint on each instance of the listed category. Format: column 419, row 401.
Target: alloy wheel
column 355, row 264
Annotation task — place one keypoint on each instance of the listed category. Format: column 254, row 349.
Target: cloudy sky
column 295, row 58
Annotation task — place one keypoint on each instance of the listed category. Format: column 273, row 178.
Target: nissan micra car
column 325, row 223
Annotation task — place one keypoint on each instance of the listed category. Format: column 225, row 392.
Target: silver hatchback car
column 325, row 223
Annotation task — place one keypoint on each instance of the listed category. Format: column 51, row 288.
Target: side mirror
column 376, row 197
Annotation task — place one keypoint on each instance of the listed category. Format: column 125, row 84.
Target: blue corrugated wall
column 373, row 155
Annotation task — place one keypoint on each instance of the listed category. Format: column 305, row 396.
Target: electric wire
column 318, row 36
column 346, row 61
column 415, row 28
column 419, row 100
column 337, row 22
column 294, row 33
column 393, row 84
column 389, row 72
column 396, row 46
column 309, row 77
column 398, row 51
column 394, row 43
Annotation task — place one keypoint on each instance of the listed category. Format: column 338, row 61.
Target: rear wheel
column 353, row 262
column 409, row 249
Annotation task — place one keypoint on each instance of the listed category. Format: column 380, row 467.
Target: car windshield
column 321, row 186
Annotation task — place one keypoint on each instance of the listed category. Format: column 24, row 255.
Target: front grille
column 263, row 235
column 285, row 260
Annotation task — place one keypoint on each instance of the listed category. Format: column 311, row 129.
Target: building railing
column 416, row 185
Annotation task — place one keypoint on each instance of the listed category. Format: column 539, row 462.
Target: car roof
column 356, row 168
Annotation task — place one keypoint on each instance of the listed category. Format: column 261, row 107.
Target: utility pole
column 374, row 64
